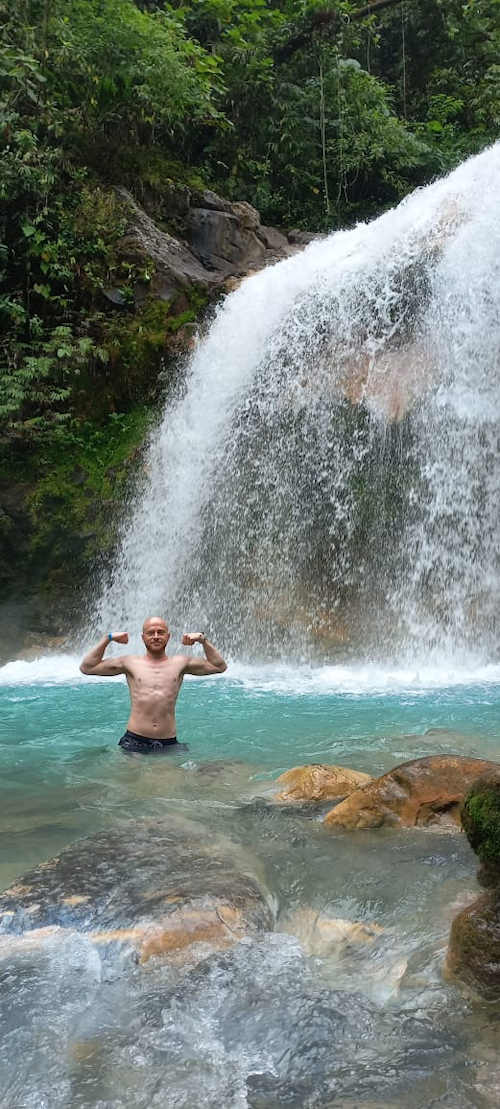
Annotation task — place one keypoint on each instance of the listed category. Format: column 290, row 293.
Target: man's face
column 155, row 636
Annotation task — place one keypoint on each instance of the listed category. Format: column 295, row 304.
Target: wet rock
column 323, row 935
column 473, row 954
column 417, row 793
column 158, row 888
column 481, row 824
column 320, row 783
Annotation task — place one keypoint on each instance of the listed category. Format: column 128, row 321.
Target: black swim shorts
column 142, row 745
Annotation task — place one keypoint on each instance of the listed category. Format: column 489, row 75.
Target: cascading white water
column 328, row 478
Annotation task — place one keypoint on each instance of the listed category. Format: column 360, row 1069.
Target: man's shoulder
column 179, row 660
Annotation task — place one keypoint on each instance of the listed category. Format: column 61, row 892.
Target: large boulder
column 417, row 793
column 222, row 240
column 174, row 267
column 473, row 954
column 474, row 946
column 158, row 888
column 320, row 783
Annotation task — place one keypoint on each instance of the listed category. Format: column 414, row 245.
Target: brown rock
column 248, row 216
column 189, row 892
column 474, row 948
column 323, row 935
column 320, row 783
column 417, row 793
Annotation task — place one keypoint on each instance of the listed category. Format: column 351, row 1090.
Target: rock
column 248, row 216
column 417, row 793
column 208, row 199
column 115, row 296
column 35, row 645
column 225, row 240
column 222, row 241
column 275, row 240
column 320, row 783
column 158, row 888
column 481, row 824
column 303, row 238
column 175, row 266
column 322, row 935
column 474, row 947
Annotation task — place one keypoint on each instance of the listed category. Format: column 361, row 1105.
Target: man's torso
column 154, row 687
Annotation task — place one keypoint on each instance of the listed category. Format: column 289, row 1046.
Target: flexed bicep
column 94, row 663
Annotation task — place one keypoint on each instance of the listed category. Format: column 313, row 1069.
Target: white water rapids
column 326, row 481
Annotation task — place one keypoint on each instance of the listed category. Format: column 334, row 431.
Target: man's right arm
column 93, row 662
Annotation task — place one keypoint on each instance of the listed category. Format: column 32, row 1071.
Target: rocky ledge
column 221, row 243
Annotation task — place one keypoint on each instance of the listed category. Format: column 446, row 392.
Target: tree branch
column 331, row 20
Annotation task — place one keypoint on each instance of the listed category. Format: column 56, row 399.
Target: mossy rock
column 474, row 948
column 481, row 824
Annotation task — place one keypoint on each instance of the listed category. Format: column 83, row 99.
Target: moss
column 140, row 344
column 69, row 499
column 481, row 818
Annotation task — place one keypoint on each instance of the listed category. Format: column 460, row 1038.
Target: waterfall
column 327, row 478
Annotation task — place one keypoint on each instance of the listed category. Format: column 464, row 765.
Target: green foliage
column 314, row 119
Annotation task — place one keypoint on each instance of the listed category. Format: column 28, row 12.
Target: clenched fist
column 121, row 637
column 190, row 638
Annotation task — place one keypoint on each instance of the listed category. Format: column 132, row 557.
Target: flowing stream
column 322, row 497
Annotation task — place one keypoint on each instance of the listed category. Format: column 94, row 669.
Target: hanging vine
column 322, row 124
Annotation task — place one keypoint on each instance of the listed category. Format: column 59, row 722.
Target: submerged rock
column 417, row 793
column 320, row 783
column 324, row 935
column 159, row 888
column 474, row 947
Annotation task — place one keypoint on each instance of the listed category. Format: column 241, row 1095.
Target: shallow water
column 274, row 1021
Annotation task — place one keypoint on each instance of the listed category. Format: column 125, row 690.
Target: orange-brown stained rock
column 474, row 947
column 423, row 791
column 320, row 783
column 219, row 926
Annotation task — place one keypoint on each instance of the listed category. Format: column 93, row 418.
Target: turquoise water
column 60, row 768
column 62, row 777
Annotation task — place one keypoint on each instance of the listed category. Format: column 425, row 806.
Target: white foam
column 358, row 679
column 47, row 670
column 361, row 679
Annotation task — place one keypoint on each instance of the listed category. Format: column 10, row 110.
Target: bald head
column 157, row 621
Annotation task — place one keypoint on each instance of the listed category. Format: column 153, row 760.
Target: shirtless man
column 154, row 681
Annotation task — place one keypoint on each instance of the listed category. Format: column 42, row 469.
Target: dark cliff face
column 61, row 502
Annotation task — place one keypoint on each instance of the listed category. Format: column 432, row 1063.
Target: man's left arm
column 213, row 663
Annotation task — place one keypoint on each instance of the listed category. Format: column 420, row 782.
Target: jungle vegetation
column 318, row 112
